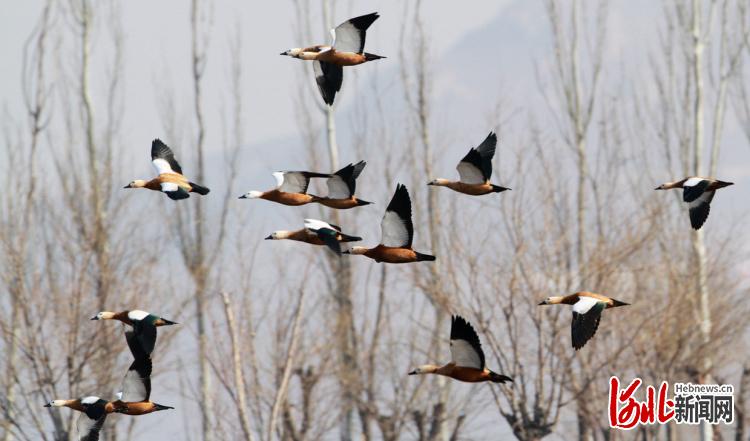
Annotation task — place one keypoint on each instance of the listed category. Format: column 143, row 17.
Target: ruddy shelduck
column 135, row 397
column 316, row 232
column 144, row 325
column 347, row 49
column 397, row 232
column 475, row 171
column 341, row 187
column 587, row 310
column 291, row 188
column 170, row 180
column 133, row 400
column 95, row 410
column 467, row 357
column 697, row 193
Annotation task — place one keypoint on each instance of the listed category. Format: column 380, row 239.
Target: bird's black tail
column 158, row 407
column 360, row 202
column 424, row 257
column 348, row 238
column 499, row 378
column 498, row 189
column 372, row 57
column 196, row 188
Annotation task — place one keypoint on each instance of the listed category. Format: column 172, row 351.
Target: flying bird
column 347, row 49
column 170, row 180
column 291, row 188
column 95, row 410
column 341, row 187
column 467, row 358
column 475, row 171
column 144, row 325
column 587, row 310
column 316, row 232
column 133, row 400
column 697, row 193
column 397, row 232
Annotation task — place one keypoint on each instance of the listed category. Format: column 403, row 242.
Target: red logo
column 625, row 412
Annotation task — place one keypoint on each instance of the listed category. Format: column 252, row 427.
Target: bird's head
column 252, row 195
column 56, row 403
column 293, row 52
column 138, row 183
column 424, row 369
column 104, row 315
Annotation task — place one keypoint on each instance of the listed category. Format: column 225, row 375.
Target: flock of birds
column 397, row 231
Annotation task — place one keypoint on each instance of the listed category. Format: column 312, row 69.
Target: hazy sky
column 480, row 50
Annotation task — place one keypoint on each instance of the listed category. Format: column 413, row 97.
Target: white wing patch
column 133, row 389
column 692, row 182
column 464, row 355
column 346, row 38
column 291, row 182
column 705, row 198
column 87, row 428
column 393, row 231
column 162, row 166
column 337, row 188
column 584, row 304
column 469, row 174
column 89, row 400
column 169, row 186
column 137, row 314
column 314, row 224
column 279, row 176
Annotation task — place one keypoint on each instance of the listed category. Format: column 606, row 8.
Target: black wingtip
column 364, row 21
column 458, row 326
column 401, row 193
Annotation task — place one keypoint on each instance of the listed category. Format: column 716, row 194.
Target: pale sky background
column 481, row 50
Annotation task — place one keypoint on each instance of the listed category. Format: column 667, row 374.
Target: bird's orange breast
column 392, row 254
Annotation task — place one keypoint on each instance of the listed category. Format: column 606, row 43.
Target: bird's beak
column 430, row 183
column 269, row 237
column 658, row 188
column 127, row 186
column 412, row 373
column 284, row 53
column 94, row 318
column 48, row 405
column 543, row 302
column 243, row 197
column 346, row 251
